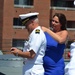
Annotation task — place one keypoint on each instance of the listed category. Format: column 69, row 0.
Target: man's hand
column 15, row 51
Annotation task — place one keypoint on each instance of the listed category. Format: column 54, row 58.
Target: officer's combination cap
column 26, row 17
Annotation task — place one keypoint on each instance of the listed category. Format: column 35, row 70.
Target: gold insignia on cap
column 25, row 21
column 37, row 31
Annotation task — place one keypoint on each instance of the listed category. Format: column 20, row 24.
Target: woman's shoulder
column 62, row 32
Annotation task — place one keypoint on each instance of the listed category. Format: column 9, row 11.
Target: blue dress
column 53, row 59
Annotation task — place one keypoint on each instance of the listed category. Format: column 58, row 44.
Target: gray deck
column 11, row 65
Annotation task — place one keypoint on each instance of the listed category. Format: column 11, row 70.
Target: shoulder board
column 37, row 31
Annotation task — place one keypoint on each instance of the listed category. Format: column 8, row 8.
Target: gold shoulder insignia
column 37, row 31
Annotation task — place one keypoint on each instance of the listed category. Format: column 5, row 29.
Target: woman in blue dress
column 53, row 59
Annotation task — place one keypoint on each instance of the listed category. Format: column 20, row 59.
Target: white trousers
column 70, row 69
column 29, row 69
column 70, row 72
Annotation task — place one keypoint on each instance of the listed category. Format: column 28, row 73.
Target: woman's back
column 53, row 59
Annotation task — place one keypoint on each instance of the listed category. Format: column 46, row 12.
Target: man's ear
column 32, row 21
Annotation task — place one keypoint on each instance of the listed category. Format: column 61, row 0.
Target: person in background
column 56, row 39
column 34, row 48
column 70, row 67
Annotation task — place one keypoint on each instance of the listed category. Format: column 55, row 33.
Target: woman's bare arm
column 61, row 36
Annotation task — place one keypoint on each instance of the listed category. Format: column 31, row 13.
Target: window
column 23, row 2
column 69, row 43
column 63, row 3
column 70, row 24
column 19, row 43
column 17, row 22
column 16, row 1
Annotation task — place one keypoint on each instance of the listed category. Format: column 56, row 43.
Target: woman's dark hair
column 62, row 20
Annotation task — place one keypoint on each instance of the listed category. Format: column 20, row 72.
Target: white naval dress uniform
column 37, row 42
column 70, row 67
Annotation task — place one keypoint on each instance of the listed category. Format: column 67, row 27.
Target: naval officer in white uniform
column 34, row 48
column 70, row 67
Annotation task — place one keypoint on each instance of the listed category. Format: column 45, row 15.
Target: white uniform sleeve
column 36, row 41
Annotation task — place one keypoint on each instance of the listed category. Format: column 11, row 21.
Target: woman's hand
column 44, row 28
